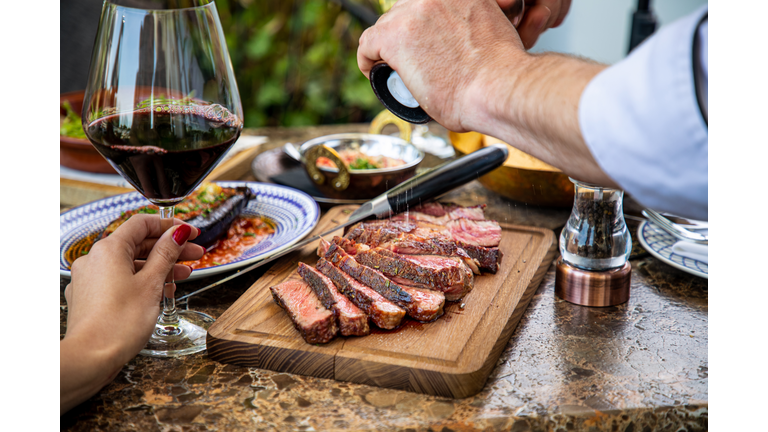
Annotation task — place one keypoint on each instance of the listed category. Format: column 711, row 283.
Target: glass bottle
column 596, row 237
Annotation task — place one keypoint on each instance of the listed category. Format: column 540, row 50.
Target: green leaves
column 71, row 126
column 361, row 164
column 295, row 62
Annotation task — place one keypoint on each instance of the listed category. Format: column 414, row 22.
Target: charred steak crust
column 489, row 259
column 369, row 277
column 315, row 323
column 422, row 306
column 428, row 304
column 317, row 285
column 382, row 312
column 351, row 320
column 474, row 240
column 393, row 264
column 401, row 235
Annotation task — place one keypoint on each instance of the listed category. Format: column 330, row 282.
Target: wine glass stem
column 169, row 319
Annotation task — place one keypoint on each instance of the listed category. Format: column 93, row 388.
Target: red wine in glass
column 165, row 151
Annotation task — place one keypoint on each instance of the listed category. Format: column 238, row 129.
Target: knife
column 425, row 186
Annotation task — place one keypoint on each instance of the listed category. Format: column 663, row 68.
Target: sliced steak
column 465, row 224
column 316, row 323
column 381, row 311
column 322, row 248
column 427, row 304
column 351, row 320
column 477, row 233
column 409, row 244
column 368, row 276
column 351, row 247
column 380, row 283
column 454, row 211
column 488, row 259
column 445, row 274
column 419, row 238
column 436, row 212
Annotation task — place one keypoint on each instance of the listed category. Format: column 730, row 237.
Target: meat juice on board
column 164, row 151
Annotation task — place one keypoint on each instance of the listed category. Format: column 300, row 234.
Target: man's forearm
column 533, row 105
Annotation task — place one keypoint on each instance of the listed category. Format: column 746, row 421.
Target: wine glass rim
column 202, row 6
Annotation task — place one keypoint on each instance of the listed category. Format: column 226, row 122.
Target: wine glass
column 162, row 106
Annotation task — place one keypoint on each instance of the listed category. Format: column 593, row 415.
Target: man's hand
column 540, row 15
column 443, row 50
column 467, row 67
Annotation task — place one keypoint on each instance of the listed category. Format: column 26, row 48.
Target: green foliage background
column 296, row 62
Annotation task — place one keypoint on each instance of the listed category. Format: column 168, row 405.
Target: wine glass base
column 193, row 325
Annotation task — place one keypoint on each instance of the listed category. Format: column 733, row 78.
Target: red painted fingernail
column 199, row 231
column 182, row 234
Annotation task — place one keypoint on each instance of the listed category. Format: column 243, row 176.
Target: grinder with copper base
column 594, row 246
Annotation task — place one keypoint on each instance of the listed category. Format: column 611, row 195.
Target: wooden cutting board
column 451, row 356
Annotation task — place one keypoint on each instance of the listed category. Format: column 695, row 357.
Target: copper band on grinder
column 592, row 288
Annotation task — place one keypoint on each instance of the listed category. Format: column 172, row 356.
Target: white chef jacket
column 645, row 125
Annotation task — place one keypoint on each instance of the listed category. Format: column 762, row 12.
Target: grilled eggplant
column 214, row 224
column 211, row 208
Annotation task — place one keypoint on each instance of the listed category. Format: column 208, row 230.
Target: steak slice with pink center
column 351, row 320
column 379, row 282
column 368, row 276
column 420, row 238
column 314, row 321
column 450, row 211
column 381, row 311
column 478, row 233
column 427, row 304
column 446, row 274
column 406, row 238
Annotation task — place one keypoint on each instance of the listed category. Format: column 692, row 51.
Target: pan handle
column 386, row 118
column 341, row 182
column 446, row 177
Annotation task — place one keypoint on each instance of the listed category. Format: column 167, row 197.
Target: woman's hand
column 114, row 300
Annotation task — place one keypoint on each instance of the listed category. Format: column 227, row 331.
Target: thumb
column 166, row 252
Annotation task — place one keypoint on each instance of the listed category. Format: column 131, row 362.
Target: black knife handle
column 446, row 177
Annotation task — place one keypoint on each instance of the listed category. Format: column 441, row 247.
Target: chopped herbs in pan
column 361, row 163
column 357, row 160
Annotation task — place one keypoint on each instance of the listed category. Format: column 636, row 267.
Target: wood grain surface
column 451, row 356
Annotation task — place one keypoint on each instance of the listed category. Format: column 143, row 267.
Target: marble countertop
column 639, row 366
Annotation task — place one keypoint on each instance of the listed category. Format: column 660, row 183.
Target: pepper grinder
column 594, row 248
column 392, row 92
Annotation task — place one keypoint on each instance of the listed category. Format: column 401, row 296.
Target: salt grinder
column 594, row 248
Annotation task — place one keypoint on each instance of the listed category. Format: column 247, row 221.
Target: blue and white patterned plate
column 659, row 244
column 294, row 212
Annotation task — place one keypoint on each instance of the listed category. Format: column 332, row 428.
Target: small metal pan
column 346, row 183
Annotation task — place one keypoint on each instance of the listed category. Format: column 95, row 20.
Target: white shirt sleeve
column 642, row 122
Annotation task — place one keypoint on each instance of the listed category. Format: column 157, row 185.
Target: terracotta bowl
column 522, row 178
column 78, row 153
